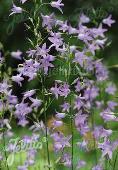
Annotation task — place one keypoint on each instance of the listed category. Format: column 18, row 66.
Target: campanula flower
column 65, row 107
column 48, row 21
column 57, row 123
column 97, row 167
column 108, row 115
column 56, row 40
column 109, row 21
column 35, row 102
column 111, row 89
column 29, row 93
column 24, row 167
column 16, row 10
column 60, row 115
column 45, row 63
column 84, row 19
column 112, row 105
column 81, row 164
column 1, row 58
column 58, row 5
column 106, row 147
column 17, row 54
column 18, row 79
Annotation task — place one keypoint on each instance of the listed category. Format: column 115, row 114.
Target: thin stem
column 72, row 143
column 4, row 143
column 92, row 120
column 36, row 13
column 46, row 129
column 71, row 119
column 115, row 161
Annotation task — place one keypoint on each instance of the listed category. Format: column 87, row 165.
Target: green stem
column 92, row 120
column 71, row 115
column 115, row 161
column 46, row 129
column 4, row 143
column 72, row 143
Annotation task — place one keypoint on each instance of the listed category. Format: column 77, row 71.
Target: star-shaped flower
column 57, row 5
column 108, row 21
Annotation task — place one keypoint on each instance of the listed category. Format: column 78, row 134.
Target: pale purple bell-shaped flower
column 58, row 5
column 16, row 10
column 109, row 21
column 16, row 54
column 18, row 79
column 60, row 115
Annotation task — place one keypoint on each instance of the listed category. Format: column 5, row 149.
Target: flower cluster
column 82, row 99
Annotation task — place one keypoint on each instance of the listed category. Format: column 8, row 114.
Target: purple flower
column 64, row 26
column 1, row 157
column 35, row 102
column 100, row 132
column 60, row 115
column 12, row 99
column 42, row 51
column 100, row 43
column 60, row 90
column 55, row 90
column 31, row 53
column 60, row 141
column 16, row 10
column 91, row 93
column 1, row 58
column 57, row 5
column 97, row 167
column 57, row 123
column 56, row 40
column 79, row 102
column 80, row 58
column 16, row 54
column 64, row 90
column 72, row 30
column 112, row 105
column 106, row 148
column 23, row 167
column 84, row 34
column 100, row 71
column 66, row 160
column 84, row 19
column 99, row 104
column 29, row 69
column 108, row 21
column 48, row 21
column 37, row 126
column 108, row 115
column 22, row 122
column 18, row 79
column 83, row 145
column 28, row 94
column 4, row 87
column 81, row 123
column 111, row 89
column 21, row 112
column 81, row 164
column 65, row 107
column 45, row 63
column 80, row 119
column 96, row 32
